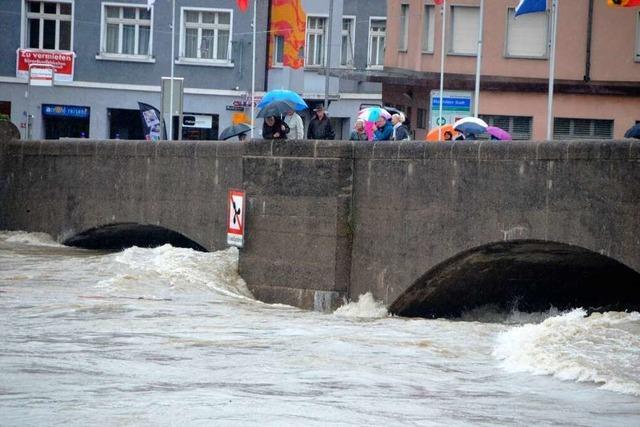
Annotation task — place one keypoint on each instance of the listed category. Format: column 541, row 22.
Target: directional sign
column 235, row 218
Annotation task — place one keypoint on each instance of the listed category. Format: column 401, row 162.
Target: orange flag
column 289, row 21
column 623, row 3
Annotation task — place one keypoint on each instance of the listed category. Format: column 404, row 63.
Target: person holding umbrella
column 274, row 128
column 384, row 131
column 320, row 126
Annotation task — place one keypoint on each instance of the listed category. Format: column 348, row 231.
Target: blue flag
column 531, row 6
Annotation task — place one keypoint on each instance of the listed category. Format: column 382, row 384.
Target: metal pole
column 253, row 69
column 173, row 43
column 552, row 68
column 443, row 12
column 328, row 55
column 476, row 100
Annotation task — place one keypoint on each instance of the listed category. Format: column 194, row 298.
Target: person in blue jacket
column 384, row 130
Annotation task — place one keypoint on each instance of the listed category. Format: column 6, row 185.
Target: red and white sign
column 235, row 218
column 61, row 61
column 41, row 75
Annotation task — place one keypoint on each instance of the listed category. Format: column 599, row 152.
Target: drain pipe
column 587, row 65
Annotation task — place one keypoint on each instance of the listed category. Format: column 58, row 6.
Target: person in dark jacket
column 274, row 128
column 384, row 130
column 400, row 131
column 320, row 126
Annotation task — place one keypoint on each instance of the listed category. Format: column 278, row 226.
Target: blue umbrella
column 283, row 95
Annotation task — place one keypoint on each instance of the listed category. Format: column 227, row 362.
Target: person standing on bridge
column 320, row 126
column 274, row 128
column 294, row 121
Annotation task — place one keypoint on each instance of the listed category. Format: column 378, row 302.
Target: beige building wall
column 613, row 61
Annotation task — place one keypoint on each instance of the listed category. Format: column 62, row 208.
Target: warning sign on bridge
column 235, row 218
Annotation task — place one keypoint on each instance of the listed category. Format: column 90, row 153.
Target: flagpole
column 552, row 68
column 476, row 101
column 173, row 43
column 443, row 12
column 253, row 69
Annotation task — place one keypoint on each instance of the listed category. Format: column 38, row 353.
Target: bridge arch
column 530, row 275
column 123, row 235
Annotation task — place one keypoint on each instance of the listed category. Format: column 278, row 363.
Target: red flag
column 243, row 5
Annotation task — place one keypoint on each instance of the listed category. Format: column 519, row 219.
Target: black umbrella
column 633, row 132
column 277, row 108
column 235, row 130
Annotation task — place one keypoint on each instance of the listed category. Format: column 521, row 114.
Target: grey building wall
column 103, row 84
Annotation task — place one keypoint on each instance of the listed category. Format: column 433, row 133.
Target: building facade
column 597, row 70
column 114, row 54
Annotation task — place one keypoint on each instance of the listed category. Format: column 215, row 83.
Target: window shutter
column 527, row 35
column 465, row 29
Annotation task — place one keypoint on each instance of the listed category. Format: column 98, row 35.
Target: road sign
column 235, row 218
column 41, row 74
column 455, row 105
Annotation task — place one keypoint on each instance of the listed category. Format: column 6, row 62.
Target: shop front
column 65, row 121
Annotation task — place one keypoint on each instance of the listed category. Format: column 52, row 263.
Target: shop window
column 377, row 37
column 126, row 31
column 422, row 118
column 206, row 35
column 465, row 22
column 48, row 25
column 520, row 127
column 65, row 121
column 527, row 36
column 197, row 126
column 125, row 124
column 566, row 128
column 428, row 29
column 315, row 49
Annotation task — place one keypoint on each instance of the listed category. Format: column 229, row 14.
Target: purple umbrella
column 498, row 133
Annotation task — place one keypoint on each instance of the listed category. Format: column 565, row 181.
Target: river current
column 170, row 336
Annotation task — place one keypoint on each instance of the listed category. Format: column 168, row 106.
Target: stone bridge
column 429, row 229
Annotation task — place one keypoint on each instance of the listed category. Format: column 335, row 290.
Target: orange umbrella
column 438, row 134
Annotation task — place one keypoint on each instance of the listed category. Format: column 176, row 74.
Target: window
column 428, row 29
column 564, row 128
column 422, row 118
column 346, row 47
column 465, row 22
column 520, row 127
column 638, row 37
column 49, row 25
column 527, row 36
column 206, row 35
column 404, row 27
column 377, row 34
column 316, row 49
column 278, row 54
column 126, row 31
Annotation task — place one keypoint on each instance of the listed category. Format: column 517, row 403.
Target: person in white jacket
column 295, row 124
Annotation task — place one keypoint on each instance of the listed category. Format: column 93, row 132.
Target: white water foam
column 25, row 238
column 365, row 308
column 494, row 314
column 178, row 269
column 600, row 348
